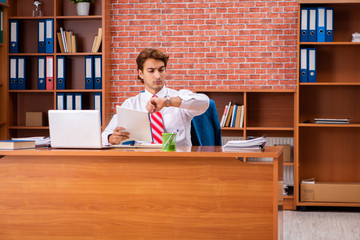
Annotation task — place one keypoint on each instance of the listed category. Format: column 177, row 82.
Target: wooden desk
column 197, row 193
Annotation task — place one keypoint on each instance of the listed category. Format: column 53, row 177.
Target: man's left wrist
column 168, row 101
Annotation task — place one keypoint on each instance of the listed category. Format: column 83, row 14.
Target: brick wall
column 211, row 43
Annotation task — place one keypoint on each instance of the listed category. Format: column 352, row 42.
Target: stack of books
column 332, row 120
column 67, row 41
column 251, row 144
column 355, row 37
column 233, row 116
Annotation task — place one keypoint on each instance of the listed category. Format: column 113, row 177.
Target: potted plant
column 82, row 6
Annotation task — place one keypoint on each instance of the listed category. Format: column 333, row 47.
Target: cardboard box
column 34, row 119
column 286, row 153
column 330, row 192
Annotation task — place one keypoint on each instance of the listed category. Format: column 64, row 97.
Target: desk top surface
column 195, row 151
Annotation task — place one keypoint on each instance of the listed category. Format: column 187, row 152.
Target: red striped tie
column 157, row 126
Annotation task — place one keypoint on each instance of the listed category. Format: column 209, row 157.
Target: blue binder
column 49, row 26
column 60, row 101
column 97, row 72
column 97, row 101
column 312, row 25
column 89, row 72
column 21, row 81
column 329, row 36
column 303, row 65
column 1, row 26
column 41, row 73
column 69, row 101
column 13, row 73
column 41, row 36
column 60, row 72
column 304, row 26
column 77, row 101
column 14, row 32
column 320, row 35
column 312, row 65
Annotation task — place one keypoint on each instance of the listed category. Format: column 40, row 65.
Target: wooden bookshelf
column 63, row 13
column 329, row 152
column 267, row 112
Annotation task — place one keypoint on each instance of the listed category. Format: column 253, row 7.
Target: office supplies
column 320, row 35
column 60, row 101
column 137, row 123
column 75, row 129
column 41, row 36
column 304, row 26
column 169, row 141
column 255, row 143
column 49, row 35
column 13, row 73
column 312, row 65
column 49, row 72
column 39, row 141
column 312, row 25
column 21, row 81
column 77, row 101
column 303, row 65
column 1, row 26
column 14, row 44
column 69, row 101
column 89, row 72
column 329, row 36
column 97, row 73
column 41, row 73
column 60, row 70
column 16, row 144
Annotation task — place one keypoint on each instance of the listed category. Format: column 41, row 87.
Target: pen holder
column 168, row 142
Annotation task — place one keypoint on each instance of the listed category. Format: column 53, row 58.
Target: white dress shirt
column 173, row 117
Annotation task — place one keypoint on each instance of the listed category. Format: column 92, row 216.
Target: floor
column 319, row 225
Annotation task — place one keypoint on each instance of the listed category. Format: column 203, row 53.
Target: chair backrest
column 205, row 128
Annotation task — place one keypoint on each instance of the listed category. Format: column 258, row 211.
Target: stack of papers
column 39, row 141
column 332, row 120
column 355, row 37
column 256, row 143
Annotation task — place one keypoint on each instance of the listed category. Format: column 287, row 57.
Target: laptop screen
column 75, row 128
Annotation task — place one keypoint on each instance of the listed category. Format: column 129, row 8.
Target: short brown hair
column 150, row 53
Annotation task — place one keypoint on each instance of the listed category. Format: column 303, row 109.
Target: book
column 68, row 41
column 61, row 43
column 223, row 116
column 94, row 43
column 228, row 117
column 73, row 43
column 16, row 144
column 332, row 120
column 98, row 41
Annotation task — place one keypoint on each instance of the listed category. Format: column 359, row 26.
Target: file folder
column 41, row 73
column 78, row 101
column 312, row 65
column 329, row 36
column 89, row 72
column 97, row 72
column 304, row 29
column 41, row 36
column 49, row 72
column 14, row 44
column 97, row 101
column 69, row 101
column 13, row 73
column 21, row 83
column 303, row 64
column 49, row 35
column 60, row 101
column 1, row 26
column 60, row 76
column 312, row 25
column 320, row 35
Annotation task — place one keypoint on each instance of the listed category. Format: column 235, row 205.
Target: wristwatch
column 167, row 100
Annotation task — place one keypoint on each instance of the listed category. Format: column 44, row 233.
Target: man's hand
column 155, row 104
column 119, row 135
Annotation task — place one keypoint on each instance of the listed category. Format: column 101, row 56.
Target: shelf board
column 79, row 90
column 58, row 54
column 232, row 128
column 29, row 128
column 289, row 197
column 330, row 43
column 355, row 125
column 31, row 91
column 288, row 163
column 271, row 128
column 57, row 17
column 244, row 90
column 328, row 204
column 331, row 84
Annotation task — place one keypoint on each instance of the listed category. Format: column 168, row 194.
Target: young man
column 170, row 109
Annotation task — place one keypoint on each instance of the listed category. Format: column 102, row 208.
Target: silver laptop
column 75, row 128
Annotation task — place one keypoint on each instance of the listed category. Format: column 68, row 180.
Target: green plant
column 78, row 1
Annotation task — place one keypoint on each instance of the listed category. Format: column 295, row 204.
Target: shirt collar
column 160, row 94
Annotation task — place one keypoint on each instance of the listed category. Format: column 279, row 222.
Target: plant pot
column 83, row 8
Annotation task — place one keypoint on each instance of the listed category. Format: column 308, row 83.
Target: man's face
column 153, row 75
